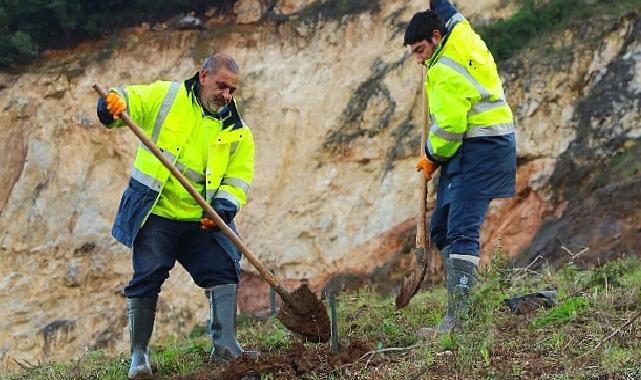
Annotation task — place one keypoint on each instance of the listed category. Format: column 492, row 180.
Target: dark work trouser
column 162, row 241
column 458, row 225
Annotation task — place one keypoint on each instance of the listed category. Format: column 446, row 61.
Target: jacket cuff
column 225, row 209
column 431, row 157
column 103, row 113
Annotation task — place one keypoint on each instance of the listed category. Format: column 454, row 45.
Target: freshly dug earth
column 306, row 316
column 292, row 363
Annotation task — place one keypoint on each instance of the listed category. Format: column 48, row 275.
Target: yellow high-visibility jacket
column 465, row 93
column 472, row 135
column 167, row 112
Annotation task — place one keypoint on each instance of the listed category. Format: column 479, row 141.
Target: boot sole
column 141, row 376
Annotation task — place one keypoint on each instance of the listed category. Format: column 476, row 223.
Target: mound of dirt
column 292, row 363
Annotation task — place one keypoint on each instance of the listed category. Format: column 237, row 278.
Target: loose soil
column 306, row 316
column 292, row 363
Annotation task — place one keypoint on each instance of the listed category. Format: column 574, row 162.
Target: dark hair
column 421, row 27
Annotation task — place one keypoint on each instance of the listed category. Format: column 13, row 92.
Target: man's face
column 423, row 51
column 217, row 88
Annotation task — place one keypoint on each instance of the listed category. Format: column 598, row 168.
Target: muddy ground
column 292, row 363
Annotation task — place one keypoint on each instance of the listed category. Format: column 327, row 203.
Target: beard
column 216, row 103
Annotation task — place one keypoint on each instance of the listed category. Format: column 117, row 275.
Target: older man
column 196, row 124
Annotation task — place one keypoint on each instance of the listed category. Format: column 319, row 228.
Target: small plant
column 610, row 274
column 562, row 313
column 277, row 338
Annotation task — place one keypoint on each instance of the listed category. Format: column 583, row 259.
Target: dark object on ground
column 531, row 302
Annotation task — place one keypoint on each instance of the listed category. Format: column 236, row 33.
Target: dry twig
column 522, row 272
column 374, row 352
column 575, row 255
column 612, row 335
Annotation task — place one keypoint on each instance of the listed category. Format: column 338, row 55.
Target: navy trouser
column 458, row 225
column 160, row 242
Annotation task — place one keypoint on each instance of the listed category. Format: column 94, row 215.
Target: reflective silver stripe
column 193, row 175
column 234, row 145
column 436, row 156
column 453, row 21
column 236, row 182
column 124, row 92
column 209, row 195
column 486, row 106
column 228, row 196
column 469, row 258
column 489, row 130
column 164, row 110
column 463, row 71
column 449, row 136
column 146, row 179
column 170, row 156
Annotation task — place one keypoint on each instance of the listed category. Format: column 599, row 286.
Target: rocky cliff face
column 335, row 107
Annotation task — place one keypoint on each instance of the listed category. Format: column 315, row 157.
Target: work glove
column 115, row 104
column 427, row 167
column 208, row 224
column 225, row 209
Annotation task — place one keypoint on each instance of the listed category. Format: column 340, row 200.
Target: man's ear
column 436, row 36
column 202, row 74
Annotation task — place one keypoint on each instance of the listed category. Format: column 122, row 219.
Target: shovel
column 414, row 278
column 302, row 312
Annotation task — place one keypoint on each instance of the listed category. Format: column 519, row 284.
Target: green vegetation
column 536, row 18
column 28, row 26
column 594, row 331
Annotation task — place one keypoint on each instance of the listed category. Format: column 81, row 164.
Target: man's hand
column 115, row 104
column 427, row 167
column 225, row 209
column 208, row 224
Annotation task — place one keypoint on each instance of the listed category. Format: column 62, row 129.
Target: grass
column 538, row 18
column 572, row 340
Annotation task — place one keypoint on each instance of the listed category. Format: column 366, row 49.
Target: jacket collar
column 192, row 85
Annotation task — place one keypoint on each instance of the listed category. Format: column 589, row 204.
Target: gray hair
column 213, row 63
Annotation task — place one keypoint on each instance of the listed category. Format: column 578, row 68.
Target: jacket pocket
column 134, row 206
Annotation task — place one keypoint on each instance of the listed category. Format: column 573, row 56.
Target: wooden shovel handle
column 209, row 211
column 421, row 217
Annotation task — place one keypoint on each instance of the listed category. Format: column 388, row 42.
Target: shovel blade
column 411, row 284
column 306, row 316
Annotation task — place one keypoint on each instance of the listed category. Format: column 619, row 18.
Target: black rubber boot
column 142, row 312
column 461, row 278
column 222, row 302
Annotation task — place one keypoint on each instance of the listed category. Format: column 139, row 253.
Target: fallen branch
column 372, row 353
column 575, row 255
column 522, row 272
column 612, row 335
